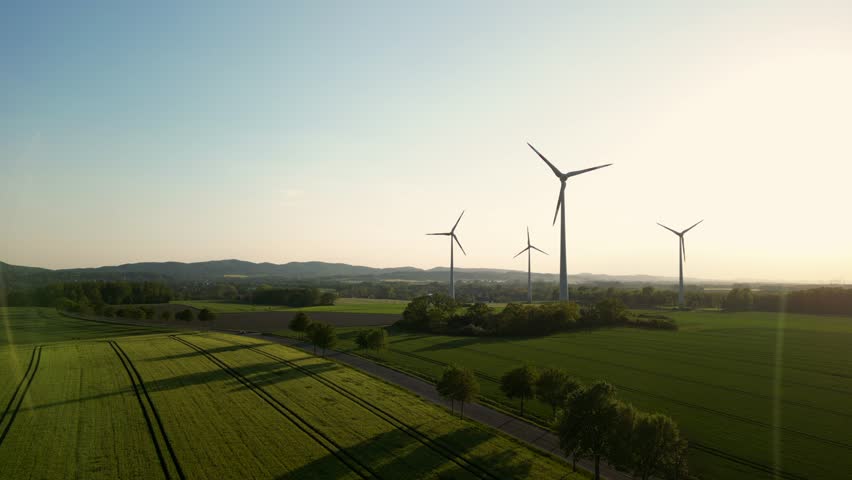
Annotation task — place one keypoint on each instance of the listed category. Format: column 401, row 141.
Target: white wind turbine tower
column 529, row 250
column 452, row 235
column 681, row 257
column 560, row 205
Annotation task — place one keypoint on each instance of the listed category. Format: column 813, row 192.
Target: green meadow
column 757, row 394
column 102, row 401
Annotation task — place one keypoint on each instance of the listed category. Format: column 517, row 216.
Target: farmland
column 753, row 392
column 96, row 400
column 342, row 305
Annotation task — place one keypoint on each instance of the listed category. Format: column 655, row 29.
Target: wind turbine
column 452, row 235
column 560, row 205
column 529, row 250
column 681, row 257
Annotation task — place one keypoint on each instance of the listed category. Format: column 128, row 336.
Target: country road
column 526, row 432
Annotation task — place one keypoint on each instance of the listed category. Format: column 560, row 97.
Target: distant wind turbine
column 560, row 206
column 529, row 250
column 452, row 235
column 681, row 257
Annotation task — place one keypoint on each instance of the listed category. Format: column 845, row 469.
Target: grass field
column 753, row 392
column 343, row 305
column 95, row 400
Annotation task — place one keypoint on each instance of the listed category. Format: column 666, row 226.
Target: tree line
column 90, row 296
column 590, row 421
column 821, row 300
column 441, row 314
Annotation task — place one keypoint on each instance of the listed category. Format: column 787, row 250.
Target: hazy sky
column 282, row 132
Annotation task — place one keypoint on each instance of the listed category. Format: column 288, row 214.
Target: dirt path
column 534, row 435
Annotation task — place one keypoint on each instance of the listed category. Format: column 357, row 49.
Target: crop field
column 757, row 394
column 95, row 400
column 342, row 305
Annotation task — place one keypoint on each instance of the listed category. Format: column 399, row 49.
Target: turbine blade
column 522, row 251
column 690, row 228
column 683, row 248
column 555, row 170
column 585, row 170
column 669, row 229
column 559, row 202
column 459, row 243
column 439, row 234
column 457, row 222
column 540, row 250
column 528, row 236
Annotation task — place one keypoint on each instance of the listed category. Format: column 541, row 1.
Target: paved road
column 526, row 432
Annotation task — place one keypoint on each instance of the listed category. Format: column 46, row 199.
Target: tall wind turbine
column 529, row 250
column 560, row 206
column 681, row 257
column 452, row 235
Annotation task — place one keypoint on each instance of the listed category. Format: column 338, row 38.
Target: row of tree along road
column 590, row 421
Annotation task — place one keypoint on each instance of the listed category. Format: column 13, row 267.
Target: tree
column 554, row 386
column 622, row 436
column 205, row 315
column 657, row 446
column 185, row 315
column 377, row 339
column 520, row 383
column 166, row 315
column 361, row 339
column 299, row 323
column 323, row 336
column 585, row 427
column 458, row 385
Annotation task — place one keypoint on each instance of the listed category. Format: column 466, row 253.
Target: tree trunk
column 574, row 462
column 597, row 467
column 522, row 406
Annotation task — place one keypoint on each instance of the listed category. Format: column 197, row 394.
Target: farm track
column 718, row 453
column 318, row 436
column 392, row 420
column 19, row 394
column 171, row 466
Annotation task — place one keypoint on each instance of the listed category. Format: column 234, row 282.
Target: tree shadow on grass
column 395, row 454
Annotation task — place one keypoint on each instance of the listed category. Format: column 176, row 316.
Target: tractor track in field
column 146, row 404
column 413, row 432
column 688, row 380
column 354, row 464
column 697, row 446
column 774, row 473
column 20, row 393
column 676, row 351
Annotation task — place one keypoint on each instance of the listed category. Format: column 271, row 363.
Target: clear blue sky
column 278, row 131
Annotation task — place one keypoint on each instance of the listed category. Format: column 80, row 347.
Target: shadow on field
column 194, row 353
column 395, row 454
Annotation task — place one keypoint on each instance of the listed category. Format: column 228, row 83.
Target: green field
column 96, row 400
column 752, row 391
column 343, row 305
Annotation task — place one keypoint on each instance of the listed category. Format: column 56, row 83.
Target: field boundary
column 364, row 471
column 138, row 385
column 20, row 392
column 391, row 419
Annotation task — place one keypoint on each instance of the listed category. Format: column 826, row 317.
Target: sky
column 343, row 132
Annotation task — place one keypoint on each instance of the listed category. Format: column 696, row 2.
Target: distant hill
column 13, row 275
